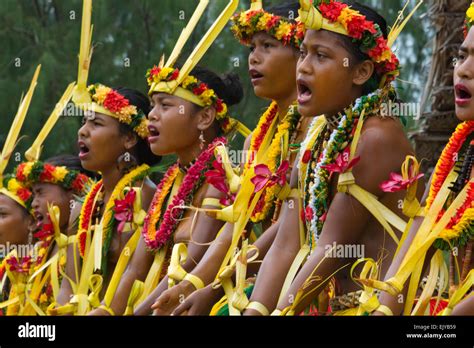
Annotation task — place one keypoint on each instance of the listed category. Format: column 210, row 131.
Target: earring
column 126, row 162
column 30, row 236
column 202, row 140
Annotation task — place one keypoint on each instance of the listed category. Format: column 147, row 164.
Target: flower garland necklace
column 287, row 125
column 260, row 131
column 108, row 220
column 460, row 228
column 320, row 178
column 171, row 217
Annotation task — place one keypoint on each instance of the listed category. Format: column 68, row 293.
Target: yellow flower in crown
column 60, row 173
column 206, row 96
column 100, row 93
column 142, row 129
column 262, row 22
column 244, row 19
column 190, row 80
column 164, row 73
column 125, row 114
column 470, row 13
column 13, row 186
column 119, row 107
column 284, row 29
column 346, row 16
column 27, row 168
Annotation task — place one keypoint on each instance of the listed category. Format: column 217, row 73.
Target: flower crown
column 469, row 19
column 29, row 173
column 116, row 105
column 248, row 23
column 17, row 191
column 366, row 34
column 205, row 95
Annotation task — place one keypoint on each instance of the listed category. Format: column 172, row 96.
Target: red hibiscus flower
column 397, row 183
column 342, row 162
column 115, row 101
column 124, row 209
column 217, row 178
column 264, row 176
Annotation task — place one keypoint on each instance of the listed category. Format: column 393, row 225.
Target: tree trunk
column 447, row 17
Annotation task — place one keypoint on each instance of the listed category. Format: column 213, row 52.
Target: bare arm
column 65, row 290
column 347, row 218
column 204, row 232
column 396, row 303
column 280, row 256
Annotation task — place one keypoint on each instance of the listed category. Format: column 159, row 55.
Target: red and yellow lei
column 460, row 227
column 192, row 181
column 287, row 125
column 108, row 220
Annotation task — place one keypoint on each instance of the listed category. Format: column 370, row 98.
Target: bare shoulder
column 382, row 148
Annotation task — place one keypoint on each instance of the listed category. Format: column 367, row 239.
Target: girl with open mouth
column 352, row 150
column 450, row 232
column 273, row 40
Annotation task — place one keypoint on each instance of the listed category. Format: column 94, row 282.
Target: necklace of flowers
column 267, row 200
column 332, row 153
column 108, row 220
column 260, row 131
column 460, row 228
column 170, row 219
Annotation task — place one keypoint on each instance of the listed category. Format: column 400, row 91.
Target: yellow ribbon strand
column 313, row 19
column 186, row 32
column 80, row 95
column 176, row 272
column 459, row 294
column 136, row 292
column 15, row 128
column 34, row 152
column 400, row 23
